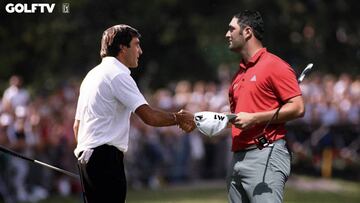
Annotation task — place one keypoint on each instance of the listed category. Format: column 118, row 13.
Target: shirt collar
column 116, row 62
column 253, row 60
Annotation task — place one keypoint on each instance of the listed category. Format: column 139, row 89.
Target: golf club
column 304, row 72
column 8, row 151
column 260, row 140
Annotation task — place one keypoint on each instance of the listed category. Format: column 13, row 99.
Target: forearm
column 160, row 118
column 155, row 117
column 292, row 109
column 76, row 128
column 286, row 113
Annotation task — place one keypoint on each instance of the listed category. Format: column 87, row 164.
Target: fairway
column 298, row 190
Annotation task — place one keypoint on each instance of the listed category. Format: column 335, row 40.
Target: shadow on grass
column 349, row 192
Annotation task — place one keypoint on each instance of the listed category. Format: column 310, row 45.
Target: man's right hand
column 186, row 120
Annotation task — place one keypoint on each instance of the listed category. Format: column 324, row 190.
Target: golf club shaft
column 300, row 79
column 8, row 151
column 57, row 169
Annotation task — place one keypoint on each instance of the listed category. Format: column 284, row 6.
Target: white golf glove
column 211, row 123
column 85, row 156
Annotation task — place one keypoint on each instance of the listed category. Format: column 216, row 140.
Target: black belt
column 253, row 146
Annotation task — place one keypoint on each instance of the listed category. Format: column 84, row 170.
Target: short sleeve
column 284, row 82
column 127, row 92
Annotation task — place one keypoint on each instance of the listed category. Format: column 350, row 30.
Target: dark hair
column 114, row 36
column 252, row 19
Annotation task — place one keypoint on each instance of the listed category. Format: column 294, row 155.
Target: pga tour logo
column 34, row 8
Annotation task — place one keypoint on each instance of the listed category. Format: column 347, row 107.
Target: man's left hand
column 244, row 120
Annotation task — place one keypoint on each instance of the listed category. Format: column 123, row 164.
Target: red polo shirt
column 262, row 84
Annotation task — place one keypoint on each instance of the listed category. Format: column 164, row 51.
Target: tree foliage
column 181, row 39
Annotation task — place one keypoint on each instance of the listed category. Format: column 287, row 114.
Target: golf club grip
column 15, row 154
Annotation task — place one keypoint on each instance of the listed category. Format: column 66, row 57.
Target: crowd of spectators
column 40, row 126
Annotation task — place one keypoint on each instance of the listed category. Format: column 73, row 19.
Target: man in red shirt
column 263, row 83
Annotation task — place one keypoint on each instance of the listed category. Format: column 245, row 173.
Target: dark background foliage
column 181, row 39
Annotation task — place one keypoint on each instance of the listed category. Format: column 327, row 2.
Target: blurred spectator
column 15, row 95
column 42, row 128
column 182, row 93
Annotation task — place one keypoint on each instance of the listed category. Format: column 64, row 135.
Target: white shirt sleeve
column 127, row 92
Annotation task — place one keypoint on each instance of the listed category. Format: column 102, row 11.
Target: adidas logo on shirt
column 253, row 79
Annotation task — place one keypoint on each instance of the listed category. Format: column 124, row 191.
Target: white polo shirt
column 108, row 95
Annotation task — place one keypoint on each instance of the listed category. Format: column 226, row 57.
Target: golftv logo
column 35, row 8
column 29, row 8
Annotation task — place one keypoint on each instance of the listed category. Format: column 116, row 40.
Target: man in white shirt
column 108, row 96
column 15, row 95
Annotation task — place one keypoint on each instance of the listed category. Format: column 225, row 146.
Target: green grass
column 297, row 196
column 330, row 191
column 183, row 195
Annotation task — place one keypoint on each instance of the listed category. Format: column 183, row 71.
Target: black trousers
column 103, row 177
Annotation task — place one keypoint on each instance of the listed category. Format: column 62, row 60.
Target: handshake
column 185, row 120
column 209, row 123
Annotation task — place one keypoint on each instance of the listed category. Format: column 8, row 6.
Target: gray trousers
column 259, row 175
